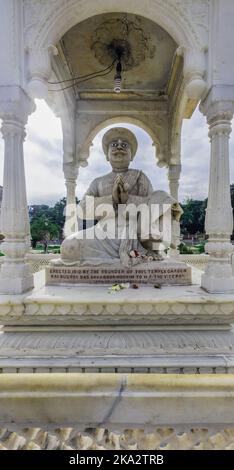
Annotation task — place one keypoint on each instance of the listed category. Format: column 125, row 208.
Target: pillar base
column 17, row 285
column 215, row 285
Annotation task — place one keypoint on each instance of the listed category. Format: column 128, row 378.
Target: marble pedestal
column 175, row 329
column 85, row 369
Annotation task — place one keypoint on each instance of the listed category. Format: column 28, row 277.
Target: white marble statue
column 122, row 186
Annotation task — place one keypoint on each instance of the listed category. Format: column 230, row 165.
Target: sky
column 43, row 159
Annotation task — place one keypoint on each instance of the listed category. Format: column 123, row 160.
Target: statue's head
column 120, row 146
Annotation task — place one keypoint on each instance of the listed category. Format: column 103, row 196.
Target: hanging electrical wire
column 84, row 76
column 85, row 80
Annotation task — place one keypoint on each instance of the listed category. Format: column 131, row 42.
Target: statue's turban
column 119, row 133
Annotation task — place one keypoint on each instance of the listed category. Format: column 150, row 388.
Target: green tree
column 55, row 215
column 43, row 230
column 193, row 218
column 38, row 210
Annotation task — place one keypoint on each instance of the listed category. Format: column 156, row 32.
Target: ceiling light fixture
column 119, row 52
column 118, row 78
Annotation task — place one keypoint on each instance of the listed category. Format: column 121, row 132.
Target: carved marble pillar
column 71, row 221
column 15, row 276
column 218, row 275
column 173, row 177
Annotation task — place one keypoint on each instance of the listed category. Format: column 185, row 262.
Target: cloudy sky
column 43, row 159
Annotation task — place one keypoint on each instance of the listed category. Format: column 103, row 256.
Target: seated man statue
column 108, row 196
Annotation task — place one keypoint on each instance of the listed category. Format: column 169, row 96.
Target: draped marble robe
column 84, row 248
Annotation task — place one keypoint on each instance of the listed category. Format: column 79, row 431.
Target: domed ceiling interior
column 146, row 50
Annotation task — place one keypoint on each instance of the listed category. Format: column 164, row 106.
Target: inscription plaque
column 155, row 272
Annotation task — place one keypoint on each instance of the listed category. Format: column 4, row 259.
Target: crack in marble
column 115, row 402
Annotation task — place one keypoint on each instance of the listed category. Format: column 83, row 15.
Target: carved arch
column 47, row 23
column 88, row 129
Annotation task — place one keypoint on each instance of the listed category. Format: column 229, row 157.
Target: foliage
column 43, row 230
column 192, row 250
column 200, row 247
column 185, row 250
column 193, row 218
column 55, row 214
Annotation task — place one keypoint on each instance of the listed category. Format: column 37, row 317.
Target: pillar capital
column 70, row 172
column 12, row 127
column 174, row 171
column 173, row 177
column 220, row 125
column 219, row 116
column 218, row 105
column 15, row 105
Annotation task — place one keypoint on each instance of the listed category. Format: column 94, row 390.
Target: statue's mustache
column 119, row 151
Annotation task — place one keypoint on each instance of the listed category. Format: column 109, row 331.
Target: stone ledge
column 119, row 342
column 117, row 350
column 94, row 305
column 182, row 313
column 121, row 400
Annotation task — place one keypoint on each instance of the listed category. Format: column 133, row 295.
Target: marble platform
column 180, row 329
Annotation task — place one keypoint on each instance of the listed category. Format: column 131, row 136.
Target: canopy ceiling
column 86, row 48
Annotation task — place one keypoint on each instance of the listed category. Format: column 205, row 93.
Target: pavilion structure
column 175, row 54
